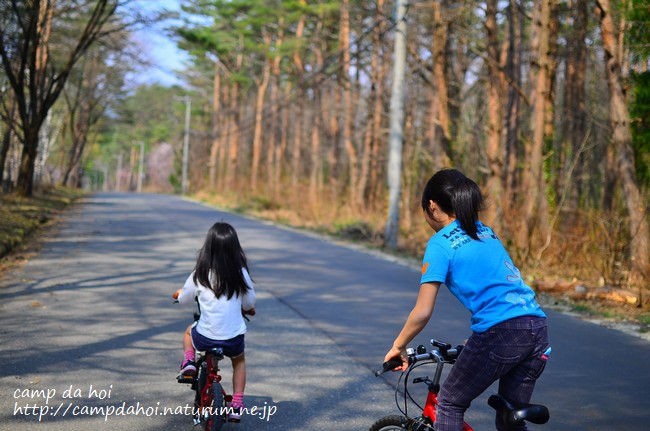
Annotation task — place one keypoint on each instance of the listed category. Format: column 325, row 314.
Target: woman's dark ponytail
column 456, row 195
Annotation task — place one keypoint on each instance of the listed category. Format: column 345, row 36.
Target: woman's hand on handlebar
column 250, row 312
column 177, row 293
column 400, row 354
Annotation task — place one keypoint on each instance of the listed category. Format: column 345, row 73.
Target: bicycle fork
column 429, row 412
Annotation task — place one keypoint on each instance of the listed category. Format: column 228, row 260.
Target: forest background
column 283, row 110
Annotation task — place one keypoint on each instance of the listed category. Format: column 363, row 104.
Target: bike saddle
column 216, row 352
column 515, row 414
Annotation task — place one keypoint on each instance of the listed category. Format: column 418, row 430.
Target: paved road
column 89, row 323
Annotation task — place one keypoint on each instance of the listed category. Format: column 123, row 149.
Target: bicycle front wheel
column 218, row 417
column 390, row 423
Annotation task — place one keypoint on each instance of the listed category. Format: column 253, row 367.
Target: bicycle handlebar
column 443, row 353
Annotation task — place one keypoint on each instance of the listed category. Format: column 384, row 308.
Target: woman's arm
column 416, row 321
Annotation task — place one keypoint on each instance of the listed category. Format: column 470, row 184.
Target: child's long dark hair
column 456, row 195
column 220, row 262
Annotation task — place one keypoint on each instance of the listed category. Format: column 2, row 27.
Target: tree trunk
column 316, row 173
column 274, row 102
column 259, row 110
column 216, row 130
column 494, row 150
column 348, row 115
column 396, row 134
column 535, row 207
column 514, row 104
column 33, row 117
column 6, row 143
column 76, row 134
column 377, row 163
column 622, row 143
column 574, row 126
column 439, row 129
column 233, row 141
column 334, row 130
column 298, row 116
column 374, row 107
column 226, row 126
column 281, row 149
column 25, row 183
column 70, row 178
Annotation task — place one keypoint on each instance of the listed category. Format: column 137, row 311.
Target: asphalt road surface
column 88, row 328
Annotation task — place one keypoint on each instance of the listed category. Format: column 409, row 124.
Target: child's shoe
column 188, row 369
column 234, row 413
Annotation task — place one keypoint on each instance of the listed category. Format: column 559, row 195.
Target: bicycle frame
column 204, row 403
column 429, row 411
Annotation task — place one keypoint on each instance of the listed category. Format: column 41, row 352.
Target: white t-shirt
column 221, row 318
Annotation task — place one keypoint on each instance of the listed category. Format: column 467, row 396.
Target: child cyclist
column 224, row 290
column 509, row 341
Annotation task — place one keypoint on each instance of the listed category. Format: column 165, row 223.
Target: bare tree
column 35, row 78
column 94, row 85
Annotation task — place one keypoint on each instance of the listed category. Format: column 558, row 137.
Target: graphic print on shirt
column 516, row 274
column 458, row 238
column 522, row 300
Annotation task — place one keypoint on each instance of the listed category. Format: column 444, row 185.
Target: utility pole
column 105, row 179
column 396, row 136
column 141, row 167
column 119, row 172
column 186, row 144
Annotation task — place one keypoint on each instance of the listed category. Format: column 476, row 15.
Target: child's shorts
column 231, row 348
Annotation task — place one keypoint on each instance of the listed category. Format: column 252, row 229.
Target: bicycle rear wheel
column 390, row 423
column 218, row 417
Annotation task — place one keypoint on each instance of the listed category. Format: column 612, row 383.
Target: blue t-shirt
column 480, row 274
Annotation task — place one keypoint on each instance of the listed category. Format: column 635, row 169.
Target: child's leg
column 187, row 367
column 238, row 378
column 187, row 341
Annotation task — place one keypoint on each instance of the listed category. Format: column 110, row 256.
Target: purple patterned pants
column 511, row 352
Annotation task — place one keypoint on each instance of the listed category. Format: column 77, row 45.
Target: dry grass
column 21, row 218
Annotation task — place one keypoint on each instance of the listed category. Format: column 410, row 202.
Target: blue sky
column 158, row 47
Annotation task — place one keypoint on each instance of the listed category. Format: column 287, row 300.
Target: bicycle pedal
column 181, row 379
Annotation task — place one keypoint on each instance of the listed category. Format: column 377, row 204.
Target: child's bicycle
column 512, row 415
column 211, row 402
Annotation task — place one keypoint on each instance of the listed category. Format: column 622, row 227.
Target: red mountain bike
column 443, row 353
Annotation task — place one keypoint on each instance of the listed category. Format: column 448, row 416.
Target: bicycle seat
column 513, row 414
column 217, row 352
